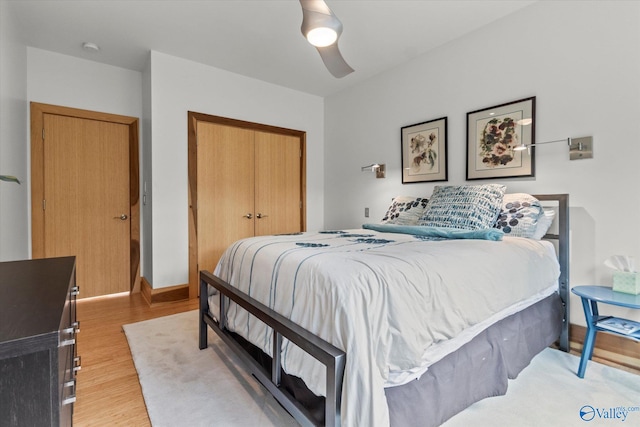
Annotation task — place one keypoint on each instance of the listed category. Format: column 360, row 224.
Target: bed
column 406, row 322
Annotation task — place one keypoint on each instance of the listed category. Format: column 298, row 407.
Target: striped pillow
column 467, row 207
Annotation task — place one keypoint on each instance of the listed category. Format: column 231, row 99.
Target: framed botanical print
column 494, row 135
column 424, row 151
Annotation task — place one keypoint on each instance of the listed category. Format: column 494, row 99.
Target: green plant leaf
column 9, row 178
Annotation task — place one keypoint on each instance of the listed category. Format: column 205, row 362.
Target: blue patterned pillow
column 467, row 207
column 405, row 210
column 519, row 215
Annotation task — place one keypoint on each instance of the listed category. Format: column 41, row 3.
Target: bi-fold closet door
column 249, row 183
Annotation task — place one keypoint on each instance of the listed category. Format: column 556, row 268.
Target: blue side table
column 591, row 296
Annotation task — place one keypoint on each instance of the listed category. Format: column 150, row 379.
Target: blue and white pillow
column 405, row 210
column 519, row 215
column 467, row 207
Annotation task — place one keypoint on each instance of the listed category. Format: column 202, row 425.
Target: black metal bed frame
column 563, row 259
column 332, row 357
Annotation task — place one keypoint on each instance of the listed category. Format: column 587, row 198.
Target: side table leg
column 590, row 336
column 587, row 350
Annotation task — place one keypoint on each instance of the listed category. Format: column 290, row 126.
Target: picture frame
column 424, row 151
column 493, row 134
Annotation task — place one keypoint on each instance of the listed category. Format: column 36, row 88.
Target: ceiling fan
column 322, row 28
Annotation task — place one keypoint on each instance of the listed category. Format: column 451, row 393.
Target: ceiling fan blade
column 316, row 13
column 334, row 61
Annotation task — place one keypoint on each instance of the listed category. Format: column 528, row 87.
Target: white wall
column 68, row 81
column 582, row 62
column 14, row 199
column 179, row 86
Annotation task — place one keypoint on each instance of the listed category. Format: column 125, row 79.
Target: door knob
column 261, row 216
column 122, row 217
column 249, row 215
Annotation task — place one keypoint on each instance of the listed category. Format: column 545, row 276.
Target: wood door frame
column 38, row 111
column 192, row 119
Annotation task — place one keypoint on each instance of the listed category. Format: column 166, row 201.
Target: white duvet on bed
column 391, row 301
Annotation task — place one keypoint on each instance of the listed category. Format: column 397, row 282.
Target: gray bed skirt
column 479, row 369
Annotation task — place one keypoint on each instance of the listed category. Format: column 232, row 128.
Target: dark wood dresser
column 38, row 361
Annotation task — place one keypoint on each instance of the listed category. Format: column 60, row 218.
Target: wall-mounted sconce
column 579, row 148
column 379, row 168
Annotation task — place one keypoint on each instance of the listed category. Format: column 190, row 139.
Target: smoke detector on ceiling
column 90, row 47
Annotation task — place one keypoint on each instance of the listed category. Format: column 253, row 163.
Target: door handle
column 248, row 216
column 122, row 217
column 261, row 216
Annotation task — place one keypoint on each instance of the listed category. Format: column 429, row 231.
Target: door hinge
column 300, row 204
column 44, row 204
column 43, row 134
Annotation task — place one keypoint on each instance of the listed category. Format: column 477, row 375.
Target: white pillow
column 544, row 223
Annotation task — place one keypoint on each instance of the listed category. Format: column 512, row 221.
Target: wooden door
column 86, row 200
column 237, row 171
column 278, row 188
column 225, row 199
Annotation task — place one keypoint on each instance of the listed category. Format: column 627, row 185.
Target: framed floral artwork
column 493, row 137
column 424, row 151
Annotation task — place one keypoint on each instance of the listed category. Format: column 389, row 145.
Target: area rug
column 184, row 386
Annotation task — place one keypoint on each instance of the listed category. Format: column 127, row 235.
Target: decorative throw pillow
column 405, row 210
column 468, row 207
column 544, row 223
column 519, row 215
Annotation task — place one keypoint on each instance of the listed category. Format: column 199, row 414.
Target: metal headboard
column 563, row 258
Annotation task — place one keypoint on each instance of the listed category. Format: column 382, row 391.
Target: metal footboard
column 332, row 357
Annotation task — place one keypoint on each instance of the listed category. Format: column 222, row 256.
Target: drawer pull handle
column 73, row 329
column 72, row 398
column 67, row 342
column 69, row 400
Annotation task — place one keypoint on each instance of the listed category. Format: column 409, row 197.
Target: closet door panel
column 225, row 165
column 278, row 187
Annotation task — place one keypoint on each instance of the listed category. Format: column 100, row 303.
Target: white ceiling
column 259, row 39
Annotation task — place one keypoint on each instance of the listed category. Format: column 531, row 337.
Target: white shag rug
column 184, row 386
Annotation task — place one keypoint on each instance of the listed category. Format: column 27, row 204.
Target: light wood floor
column 108, row 391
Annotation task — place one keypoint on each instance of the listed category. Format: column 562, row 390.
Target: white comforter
column 384, row 298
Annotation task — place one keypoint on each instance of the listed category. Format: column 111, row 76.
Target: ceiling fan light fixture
column 322, row 36
column 322, row 29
